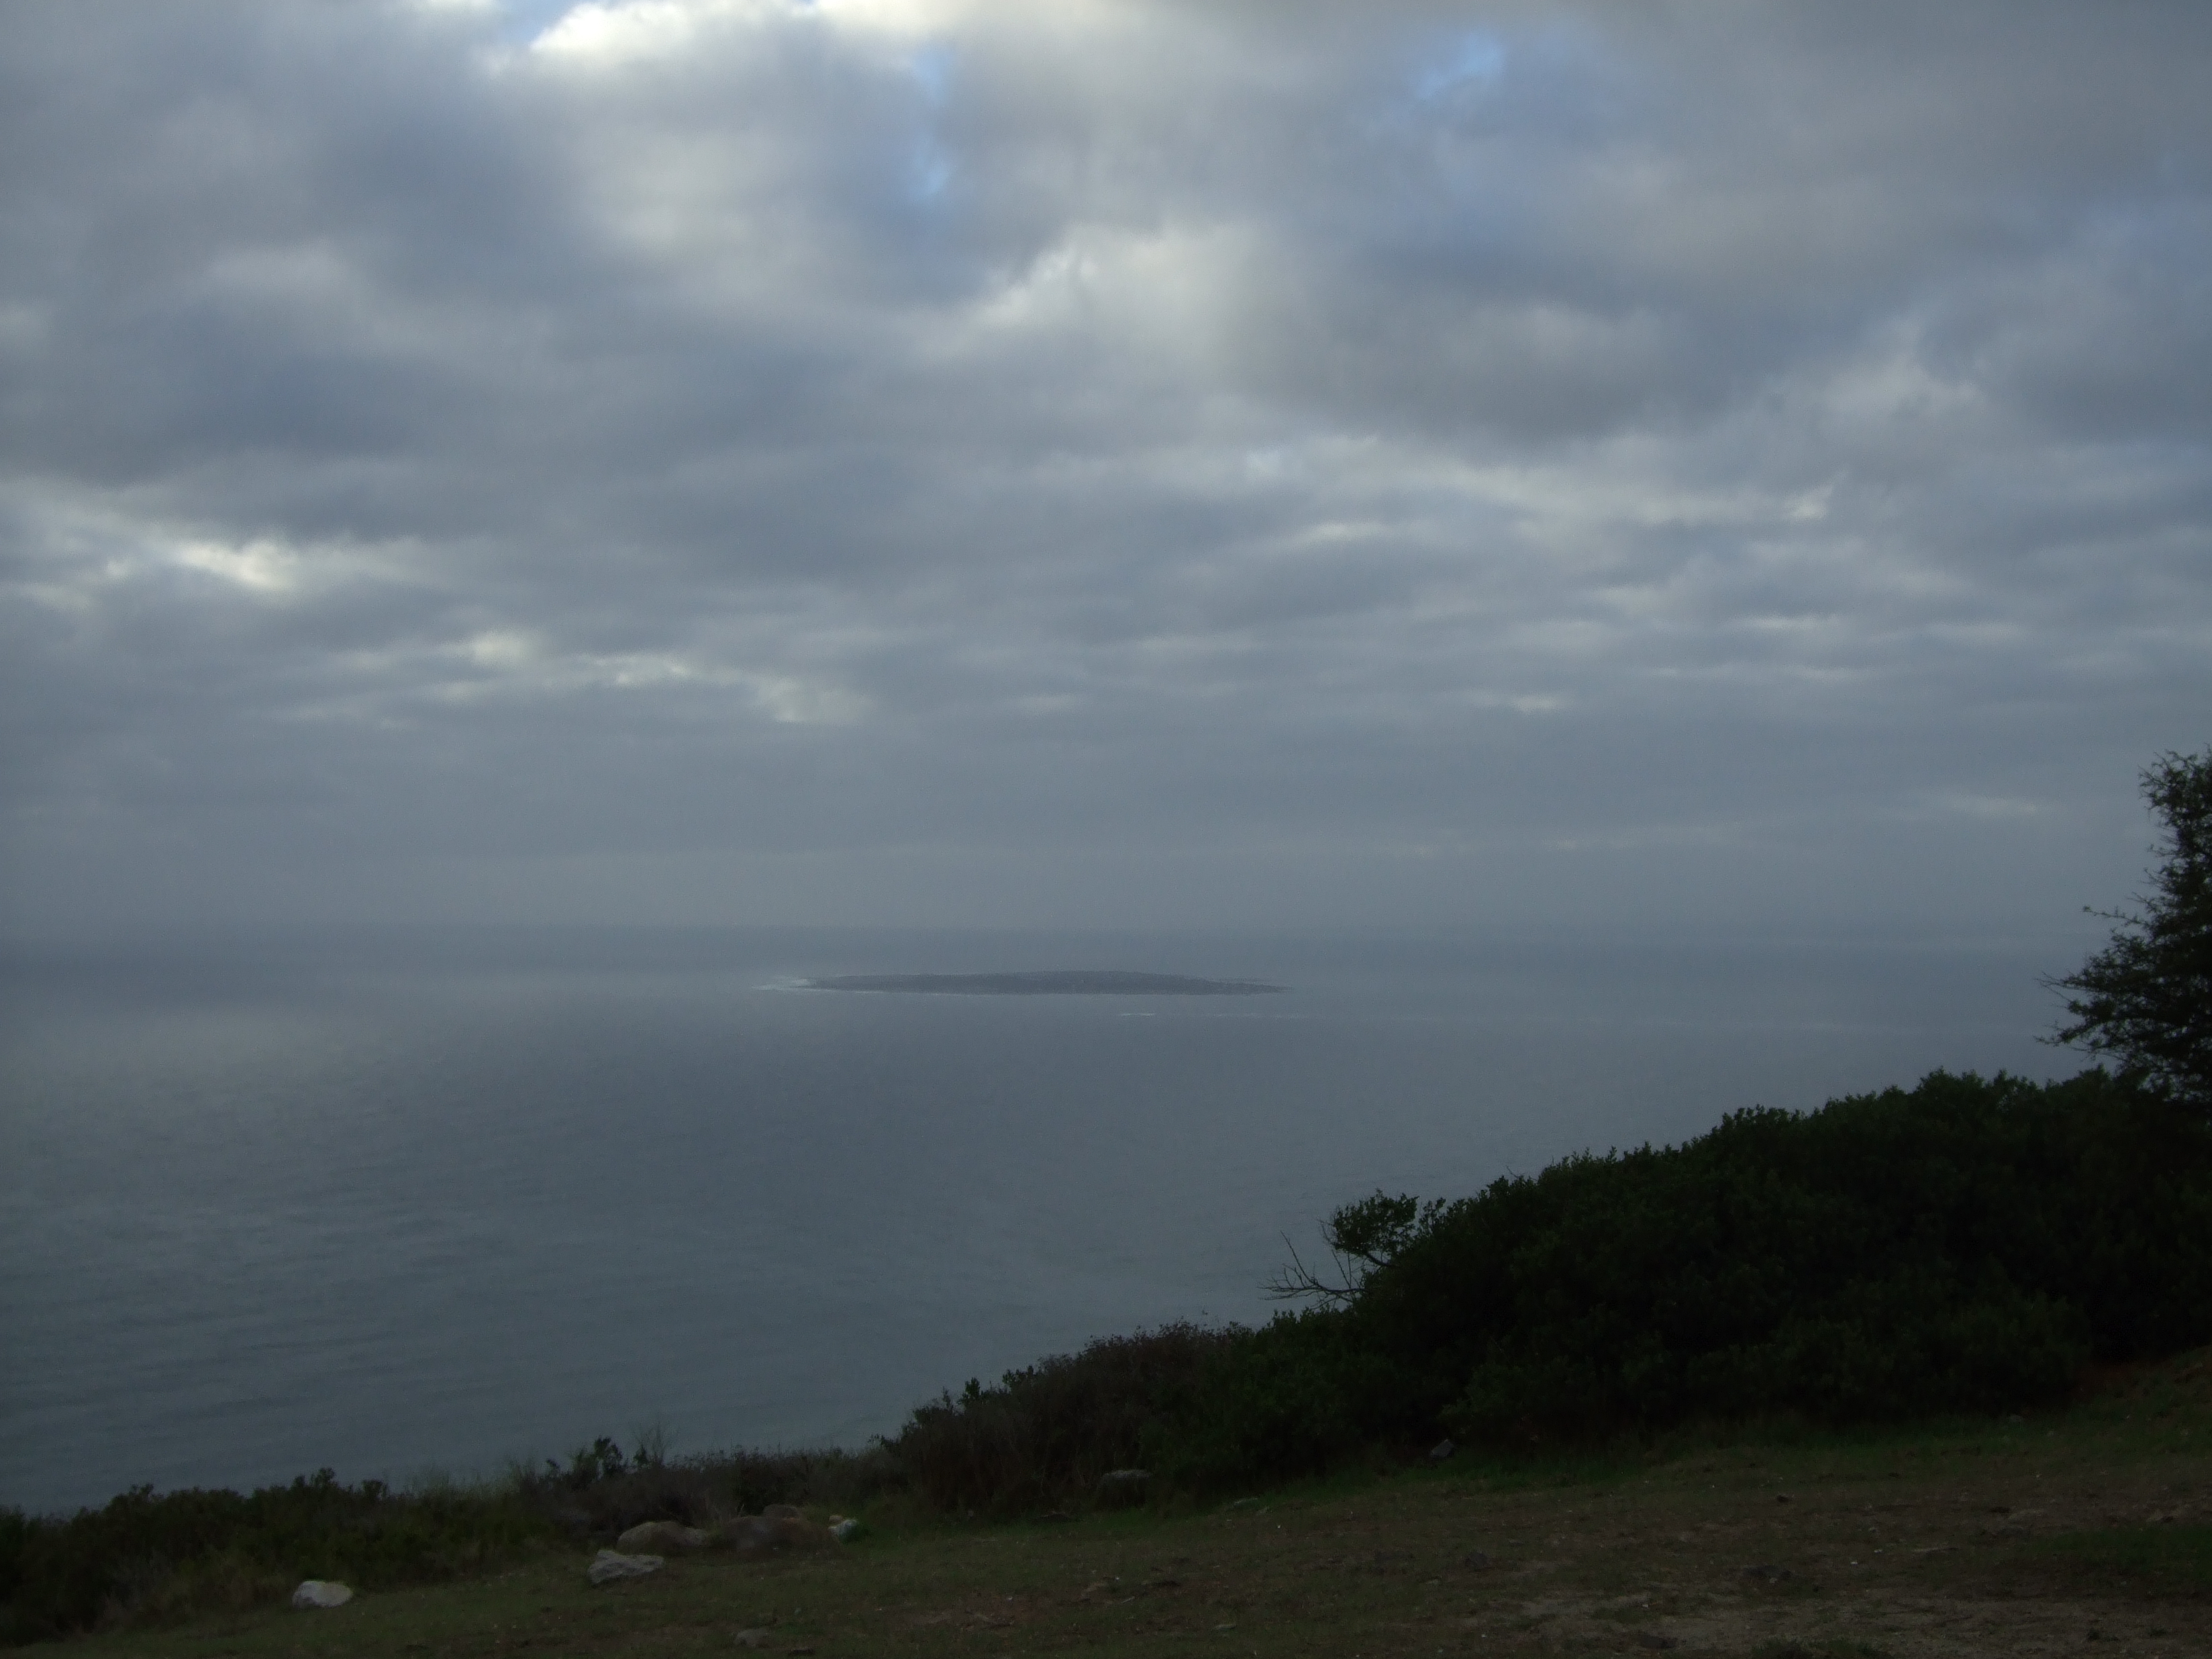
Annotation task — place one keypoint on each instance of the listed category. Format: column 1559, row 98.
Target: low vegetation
column 1992, row 1536
column 1971, row 1245
column 148, row 1558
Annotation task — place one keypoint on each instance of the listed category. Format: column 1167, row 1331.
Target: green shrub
column 1965, row 1246
column 600, row 1495
column 15, row 1545
column 147, row 1556
column 1968, row 1245
column 1292, row 1399
column 1042, row 1436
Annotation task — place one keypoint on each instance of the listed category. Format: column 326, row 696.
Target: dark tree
column 1364, row 1237
column 2146, row 999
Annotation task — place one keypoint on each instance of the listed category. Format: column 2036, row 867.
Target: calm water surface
column 398, row 1205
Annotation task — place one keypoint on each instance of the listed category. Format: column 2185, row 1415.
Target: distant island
column 1077, row 983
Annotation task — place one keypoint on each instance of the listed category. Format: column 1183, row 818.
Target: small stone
column 1442, row 1450
column 842, row 1531
column 321, row 1592
column 607, row 1565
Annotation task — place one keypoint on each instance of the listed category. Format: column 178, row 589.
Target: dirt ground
column 1960, row 1550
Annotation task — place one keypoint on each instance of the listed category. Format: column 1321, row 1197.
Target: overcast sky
column 1203, row 466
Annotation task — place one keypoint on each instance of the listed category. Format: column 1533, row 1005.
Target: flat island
column 1073, row 982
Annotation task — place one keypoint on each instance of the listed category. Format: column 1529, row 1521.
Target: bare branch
column 1298, row 1280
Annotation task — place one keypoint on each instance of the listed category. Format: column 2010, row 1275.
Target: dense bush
column 1042, row 1435
column 1965, row 1246
column 1294, row 1398
column 1200, row 1408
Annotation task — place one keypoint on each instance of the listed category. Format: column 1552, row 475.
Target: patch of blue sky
column 932, row 69
column 930, row 168
column 521, row 21
column 929, row 173
column 1474, row 61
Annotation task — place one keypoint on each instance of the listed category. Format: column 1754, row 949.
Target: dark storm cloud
column 735, row 458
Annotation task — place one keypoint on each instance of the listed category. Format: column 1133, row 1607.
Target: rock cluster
column 646, row 1547
column 662, row 1538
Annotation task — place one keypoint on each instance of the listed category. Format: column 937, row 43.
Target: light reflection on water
column 394, row 1204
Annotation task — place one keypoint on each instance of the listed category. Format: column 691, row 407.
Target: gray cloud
column 945, row 461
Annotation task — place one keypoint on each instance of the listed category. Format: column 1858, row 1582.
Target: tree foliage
column 2146, row 999
column 1363, row 1237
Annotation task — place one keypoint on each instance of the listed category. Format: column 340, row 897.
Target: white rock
column 842, row 1530
column 321, row 1592
column 610, row 1565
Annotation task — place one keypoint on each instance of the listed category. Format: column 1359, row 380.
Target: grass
column 2158, row 1559
column 1999, row 1537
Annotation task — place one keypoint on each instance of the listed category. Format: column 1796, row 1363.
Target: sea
column 422, row 1205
